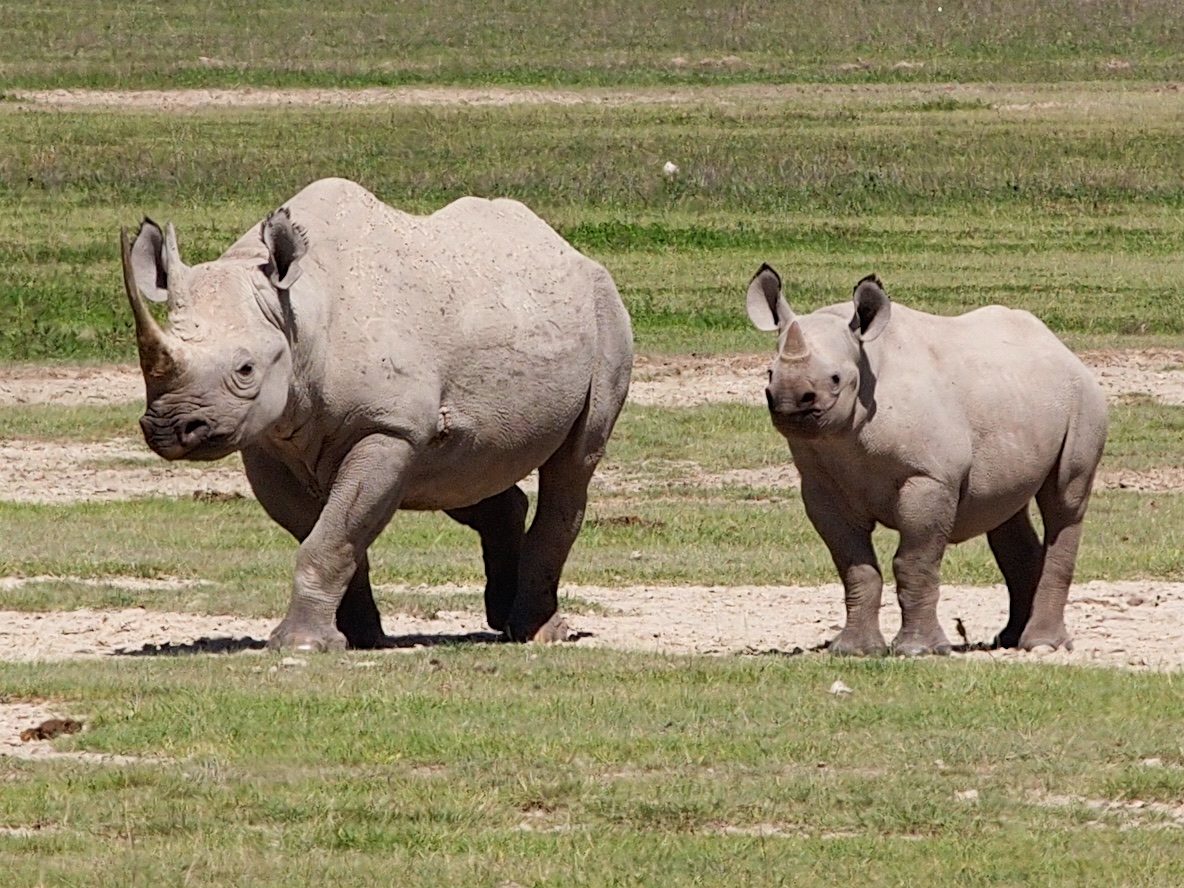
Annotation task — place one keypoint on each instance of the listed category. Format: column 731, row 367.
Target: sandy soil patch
column 1002, row 98
column 201, row 99
column 1134, row 624
column 70, row 386
column 63, row 472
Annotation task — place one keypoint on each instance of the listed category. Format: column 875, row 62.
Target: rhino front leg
column 365, row 494
column 926, row 511
column 296, row 509
column 500, row 520
column 851, row 550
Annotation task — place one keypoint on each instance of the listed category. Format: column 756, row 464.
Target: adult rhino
column 365, row 360
column 942, row 428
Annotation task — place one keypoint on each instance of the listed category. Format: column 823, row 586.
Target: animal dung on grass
column 50, row 728
column 364, row 360
column 944, row 429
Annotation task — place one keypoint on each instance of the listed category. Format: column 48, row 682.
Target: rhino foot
column 850, row 643
column 918, row 644
column 310, row 641
column 553, row 630
column 1046, row 636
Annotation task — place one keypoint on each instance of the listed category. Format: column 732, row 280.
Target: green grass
column 485, row 765
column 577, row 42
column 1073, row 213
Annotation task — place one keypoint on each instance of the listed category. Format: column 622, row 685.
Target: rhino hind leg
column 500, row 521
column 1020, row 556
column 563, row 497
column 1063, row 511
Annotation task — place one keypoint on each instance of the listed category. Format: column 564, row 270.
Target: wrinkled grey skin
column 942, row 429
column 364, row 360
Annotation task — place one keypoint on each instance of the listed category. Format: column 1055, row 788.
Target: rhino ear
column 767, row 308
column 873, row 308
column 148, row 265
column 286, row 245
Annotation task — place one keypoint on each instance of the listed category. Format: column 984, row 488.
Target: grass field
column 497, row 766
column 1059, row 211
column 1027, row 153
column 345, row 42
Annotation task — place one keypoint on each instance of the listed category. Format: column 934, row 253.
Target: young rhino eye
column 245, row 369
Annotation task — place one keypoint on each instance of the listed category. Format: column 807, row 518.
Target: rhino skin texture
column 365, row 360
column 941, row 428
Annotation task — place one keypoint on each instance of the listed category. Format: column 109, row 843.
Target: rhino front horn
column 155, row 359
column 795, row 347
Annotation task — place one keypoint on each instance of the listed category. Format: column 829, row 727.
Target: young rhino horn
column 795, row 347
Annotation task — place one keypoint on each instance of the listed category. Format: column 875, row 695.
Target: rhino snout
column 806, row 402
column 173, row 440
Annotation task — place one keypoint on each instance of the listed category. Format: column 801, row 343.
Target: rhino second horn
column 796, row 347
column 155, row 359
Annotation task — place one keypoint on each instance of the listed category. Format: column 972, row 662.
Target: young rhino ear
column 873, row 308
column 286, row 245
column 767, row 308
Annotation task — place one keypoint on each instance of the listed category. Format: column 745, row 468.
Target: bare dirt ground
column 1135, row 624
column 1010, row 99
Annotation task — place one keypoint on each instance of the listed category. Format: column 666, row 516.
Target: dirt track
column 1128, row 624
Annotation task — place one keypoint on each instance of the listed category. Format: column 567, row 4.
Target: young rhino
column 942, row 429
column 365, row 360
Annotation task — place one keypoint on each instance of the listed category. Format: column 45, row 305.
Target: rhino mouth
column 193, row 439
column 808, row 421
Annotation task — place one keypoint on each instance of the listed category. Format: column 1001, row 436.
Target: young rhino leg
column 1020, row 556
column 926, row 510
column 854, row 556
column 1062, row 500
column 500, row 521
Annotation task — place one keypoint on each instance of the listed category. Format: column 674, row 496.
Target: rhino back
column 472, row 331
column 982, row 402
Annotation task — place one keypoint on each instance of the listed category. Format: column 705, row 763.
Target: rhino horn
column 156, row 360
column 795, row 347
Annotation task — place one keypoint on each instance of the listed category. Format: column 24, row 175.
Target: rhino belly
column 981, row 511
column 489, row 445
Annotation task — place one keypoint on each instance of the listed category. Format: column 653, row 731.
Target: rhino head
column 815, row 379
column 219, row 374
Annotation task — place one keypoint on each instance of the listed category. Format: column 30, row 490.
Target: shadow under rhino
column 227, row 645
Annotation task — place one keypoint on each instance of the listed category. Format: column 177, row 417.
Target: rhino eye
column 834, row 378
column 245, row 369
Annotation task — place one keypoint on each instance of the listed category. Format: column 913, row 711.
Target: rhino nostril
column 808, row 398
column 194, row 432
